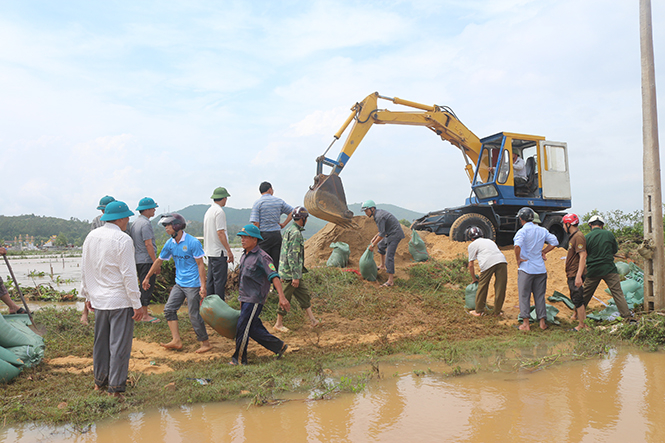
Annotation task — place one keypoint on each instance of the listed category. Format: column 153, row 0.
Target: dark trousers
column 112, row 348
column 500, row 273
column 613, row 282
column 142, row 270
column 388, row 247
column 272, row 244
column 218, row 268
column 251, row 326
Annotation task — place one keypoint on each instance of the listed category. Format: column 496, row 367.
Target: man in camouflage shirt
column 291, row 268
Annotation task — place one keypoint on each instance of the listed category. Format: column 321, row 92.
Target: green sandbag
column 623, row 268
column 31, row 355
column 557, row 296
column 11, row 332
column 470, row 296
column 339, row 257
column 550, row 313
column 417, row 247
column 627, row 286
column 220, row 316
column 368, row 266
column 10, row 357
column 8, row 372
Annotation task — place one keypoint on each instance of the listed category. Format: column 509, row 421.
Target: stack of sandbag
column 339, row 257
column 20, row 347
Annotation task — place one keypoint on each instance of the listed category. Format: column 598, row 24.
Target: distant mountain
column 237, row 218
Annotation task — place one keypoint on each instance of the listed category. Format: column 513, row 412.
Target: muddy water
column 616, row 399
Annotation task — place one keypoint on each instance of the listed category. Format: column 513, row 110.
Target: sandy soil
column 337, row 332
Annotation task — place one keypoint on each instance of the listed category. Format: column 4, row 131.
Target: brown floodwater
column 614, row 399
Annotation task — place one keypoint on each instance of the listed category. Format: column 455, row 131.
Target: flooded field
column 62, row 273
column 614, row 399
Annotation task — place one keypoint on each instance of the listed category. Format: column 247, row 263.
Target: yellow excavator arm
column 326, row 199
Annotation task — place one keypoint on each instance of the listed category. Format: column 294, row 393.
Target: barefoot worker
column 532, row 273
column 145, row 251
column 257, row 271
column 389, row 236
column 190, row 279
column 492, row 262
column 292, row 266
column 576, row 266
column 110, row 287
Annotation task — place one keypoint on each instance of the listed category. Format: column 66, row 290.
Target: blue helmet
column 146, row 203
column 105, row 201
column 115, row 211
column 250, row 230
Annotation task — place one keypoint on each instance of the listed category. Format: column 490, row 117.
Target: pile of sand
column 440, row 247
column 317, row 248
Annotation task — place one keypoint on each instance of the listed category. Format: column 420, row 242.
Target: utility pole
column 654, row 272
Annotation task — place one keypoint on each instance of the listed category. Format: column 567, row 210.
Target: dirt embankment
column 439, row 247
column 337, row 331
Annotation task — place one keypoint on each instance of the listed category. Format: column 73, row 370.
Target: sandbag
column 339, row 257
column 470, row 295
column 8, row 371
column 368, row 266
column 417, row 247
column 12, row 333
column 627, row 286
column 220, row 316
column 10, row 357
column 550, row 313
column 557, row 296
column 31, row 355
column 623, row 268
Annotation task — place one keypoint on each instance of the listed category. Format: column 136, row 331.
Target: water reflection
column 616, row 399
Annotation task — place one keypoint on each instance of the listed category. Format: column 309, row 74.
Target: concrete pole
column 654, row 272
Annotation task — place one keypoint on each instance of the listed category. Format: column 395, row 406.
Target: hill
column 72, row 231
column 237, row 218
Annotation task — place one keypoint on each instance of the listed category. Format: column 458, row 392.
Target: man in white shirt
column 532, row 273
column 216, row 243
column 519, row 167
column 110, row 287
column 492, row 262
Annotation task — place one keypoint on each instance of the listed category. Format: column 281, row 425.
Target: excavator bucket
column 326, row 200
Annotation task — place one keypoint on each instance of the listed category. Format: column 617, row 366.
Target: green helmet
column 368, row 204
column 220, row 193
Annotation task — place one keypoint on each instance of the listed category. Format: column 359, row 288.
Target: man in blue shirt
column 265, row 215
column 532, row 274
column 256, row 273
column 190, row 279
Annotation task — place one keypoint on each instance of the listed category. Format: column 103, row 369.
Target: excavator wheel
column 554, row 224
column 459, row 228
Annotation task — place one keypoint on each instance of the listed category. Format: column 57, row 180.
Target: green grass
column 434, row 292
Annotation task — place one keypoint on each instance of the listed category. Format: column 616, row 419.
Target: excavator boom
column 326, row 199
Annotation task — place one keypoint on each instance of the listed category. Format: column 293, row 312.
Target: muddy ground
column 338, row 332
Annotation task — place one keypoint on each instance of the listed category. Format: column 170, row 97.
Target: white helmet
column 596, row 219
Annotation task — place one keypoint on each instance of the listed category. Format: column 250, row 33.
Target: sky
column 173, row 99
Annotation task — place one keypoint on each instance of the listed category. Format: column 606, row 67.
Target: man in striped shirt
column 265, row 215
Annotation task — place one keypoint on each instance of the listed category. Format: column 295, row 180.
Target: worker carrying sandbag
column 389, row 235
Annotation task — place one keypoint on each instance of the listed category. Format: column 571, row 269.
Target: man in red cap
column 575, row 266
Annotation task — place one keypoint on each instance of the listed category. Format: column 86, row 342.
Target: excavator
column 507, row 171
